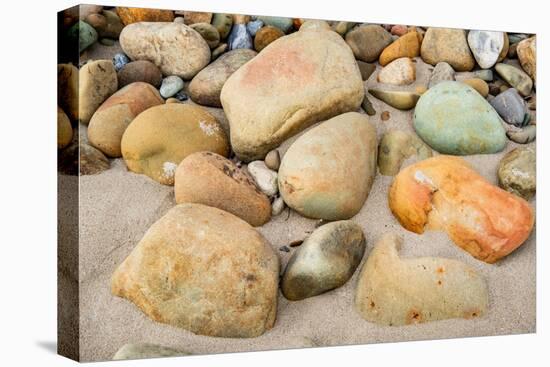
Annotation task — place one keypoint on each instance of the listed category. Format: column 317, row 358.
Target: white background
column 28, row 182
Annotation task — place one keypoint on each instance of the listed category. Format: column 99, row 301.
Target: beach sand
column 117, row 207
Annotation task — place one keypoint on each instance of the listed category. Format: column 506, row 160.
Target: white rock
column 486, row 47
column 278, row 206
column 265, row 178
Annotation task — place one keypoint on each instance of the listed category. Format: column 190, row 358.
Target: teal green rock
column 453, row 118
column 284, row 24
column 85, row 33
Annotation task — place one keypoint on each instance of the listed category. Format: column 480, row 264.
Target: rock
column 284, row 24
column 107, row 42
column 170, row 86
column 512, row 51
column 516, row 78
column 325, row 260
column 135, row 15
column 486, row 75
column 445, row 193
column 97, row 81
column 401, row 100
column 399, row 30
column 511, row 107
column 141, row 351
column 107, row 24
column 265, row 36
column 208, row 32
column 367, row 106
column 407, row 45
column 206, row 86
column 159, row 138
column 179, row 20
column 164, row 44
column 223, row 23
column 64, row 129
column 486, row 46
column 194, row 17
column 398, row 72
column 343, row 27
column 239, row 38
column 313, row 185
column 265, row 178
column 527, row 55
column 254, row 26
column 313, row 25
column 111, row 119
column 366, row 69
column 241, row 19
column 385, row 116
column 289, row 86
column 82, row 34
column 181, row 96
column 505, row 48
column 273, row 160
column 397, row 146
column 210, row 179
column 398, row 291
column 224, row 284
column 523, row 136
column 453, row 118
column 67, row 90
column 139, row 71
column 442, row 72
column 479, row 85
column 368, row 41
column 120, row 60
column 172, row 100
column 517, row 172
column 90, row 160
column 278, row 206
column 218, row 51
column 449, row 45
column 517, row 37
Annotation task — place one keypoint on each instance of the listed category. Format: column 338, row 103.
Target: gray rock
column 517, row 37
column 324, row 261
column 516, row 78
column 253, row 26
column 486, row 46
column 511, row 107
column 278, row 206
column 265, row 179
column 239, row 37
column 368, row 107
column 170, row 86
column 368, row 41
column 517, row 172
column 442, row 72
column 366, row 69
column 120, row 60
column 523, row 136
column 142, row 350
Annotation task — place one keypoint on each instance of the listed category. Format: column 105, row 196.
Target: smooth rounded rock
column 407, row 45
column 67, row 89
column 265, row 36
column 517, row 172
column 527, row 55
column 511, row 107
column 204, row 270
column 449, row 45
column 325, row 260
column 402, row 100
column 453, row 118
column 223, row 23
column 159, row 138
column 368, row 41
column 479, row 85
column 206, row 86
column 139, row 71
column 170, row 86
column 64, row 129
column 313, row 25
column 194, row 17
column 82, row 34
column 239, row 37
column 284, row 24
column 120, row 60
column 312, row 184
column 97, row 81
column 523, row 136
column 210, row 179
column 397, row 146
column 442, row 72
column 208, row 32
column 277, row 206
column 135, row 15
column 111, row 119
column 486, row 46
column 265, row 178
column 273, row 160
column 516, row 78
column 398, row 72
column 107, row 23
column 142, row 350
column 164, row 44
column 289, row 86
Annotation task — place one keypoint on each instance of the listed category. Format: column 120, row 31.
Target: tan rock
column 289, row 86
column 444, row 193
column 449, row 45
column 527, row 55
column 396, row 146
column 368, row 41
column 67, row 90
column 135, row 15
column 224, row 284
column 64, row 129
column 398, row 291
column 398, row 72
column 265, row 36
column 505, row 48
column 139, row 71
column 113, row 117
column 407, row 45
column 164, row 44
column 479, row 85
column 192, row 17
column 97, row 81
column 210, row 179
column 159, row 138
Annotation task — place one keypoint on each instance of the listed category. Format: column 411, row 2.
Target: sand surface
column 117, row 207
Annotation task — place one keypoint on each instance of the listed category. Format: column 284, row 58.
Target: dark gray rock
column 511, row 107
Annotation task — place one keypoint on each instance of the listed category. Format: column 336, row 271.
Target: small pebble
column 296, row 243
column 278, row 206
column 119, row 60
column 385, row 116
column 170, row 86
column 273, row 160
column 180, row 96
column 107, row 42
column 284, row 249
column 265, row 179
column 367, row 106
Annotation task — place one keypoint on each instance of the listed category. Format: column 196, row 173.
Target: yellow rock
column 407, row 45
column 64, row 129
column 479, row 85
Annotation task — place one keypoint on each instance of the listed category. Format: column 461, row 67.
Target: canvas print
column 232, row 182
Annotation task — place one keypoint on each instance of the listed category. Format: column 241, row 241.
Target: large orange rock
column 445, row 193
column 407, row 45
column 134, row 15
